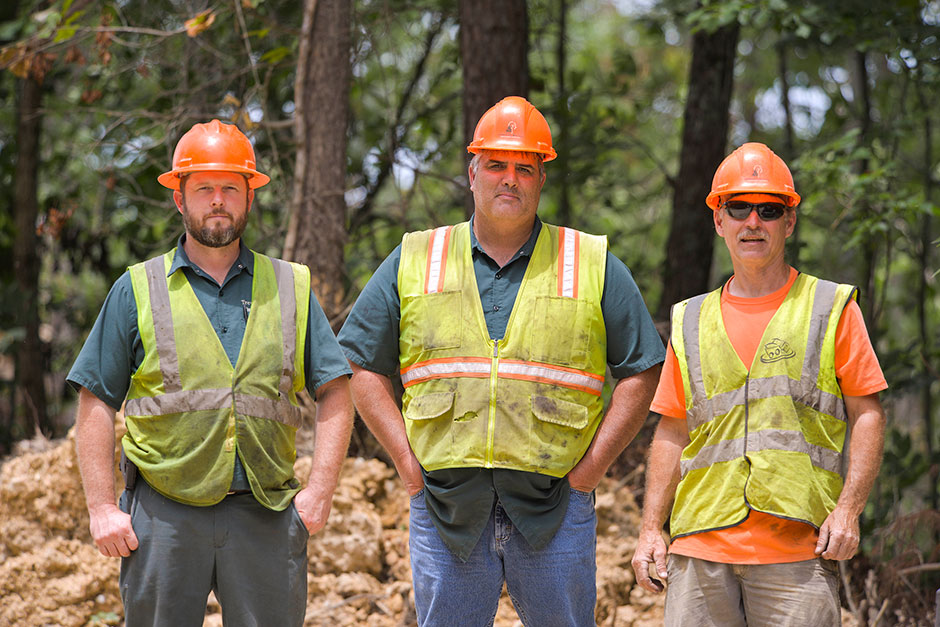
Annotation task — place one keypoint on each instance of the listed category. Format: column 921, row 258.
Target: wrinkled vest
column 188, row 409
column 768, row 437
column 530, row 401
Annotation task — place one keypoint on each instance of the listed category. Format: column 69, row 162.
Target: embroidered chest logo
column 775, row 350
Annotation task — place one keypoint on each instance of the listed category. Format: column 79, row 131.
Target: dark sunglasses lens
column 769, row 211
column 740, row 210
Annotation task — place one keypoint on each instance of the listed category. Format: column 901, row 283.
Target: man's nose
column 218, row 199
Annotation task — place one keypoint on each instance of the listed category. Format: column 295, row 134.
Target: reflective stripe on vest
column 530, row 401
column 751, row 427
column 175, row 399
column 507, row 368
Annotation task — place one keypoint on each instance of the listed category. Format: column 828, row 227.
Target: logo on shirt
column 775, row 350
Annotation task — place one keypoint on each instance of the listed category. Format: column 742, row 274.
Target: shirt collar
column 245, row 260
column 525, row 251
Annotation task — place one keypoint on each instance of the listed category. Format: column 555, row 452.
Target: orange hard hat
column 514, row 124
column 213, row 147
column 752, row 169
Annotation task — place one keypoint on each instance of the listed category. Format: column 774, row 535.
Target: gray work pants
column 253, row 558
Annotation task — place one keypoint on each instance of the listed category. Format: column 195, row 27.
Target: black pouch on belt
column 129, row 470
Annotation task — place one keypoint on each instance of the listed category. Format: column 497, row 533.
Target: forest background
column 361, row 111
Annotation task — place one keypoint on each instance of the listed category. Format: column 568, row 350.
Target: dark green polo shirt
column 460, row 499
column 113, row 350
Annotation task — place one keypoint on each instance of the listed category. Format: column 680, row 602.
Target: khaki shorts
column 711, row 594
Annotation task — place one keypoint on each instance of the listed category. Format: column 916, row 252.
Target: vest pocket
column 432, row 321
column 560, row 412
column 429, row 406
column 563, row 337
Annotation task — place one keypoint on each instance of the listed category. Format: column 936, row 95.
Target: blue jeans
column 549, row 587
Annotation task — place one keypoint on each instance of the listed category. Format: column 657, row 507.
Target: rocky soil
column 52, row 575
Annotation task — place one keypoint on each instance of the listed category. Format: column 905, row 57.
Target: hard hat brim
column 171, row 179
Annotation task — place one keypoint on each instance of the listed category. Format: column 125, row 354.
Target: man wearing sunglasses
column 768, row 382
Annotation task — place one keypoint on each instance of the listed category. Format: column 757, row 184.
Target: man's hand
column 313, row 505
column 838, row 536
column 585, row 478
column 650, row 549
column 112, row 531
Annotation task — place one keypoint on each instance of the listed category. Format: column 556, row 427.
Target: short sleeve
column 857, row 367
column 323, row 358
column 669, row 399
column 113, row 350
column 369, row 337
column 633, row 343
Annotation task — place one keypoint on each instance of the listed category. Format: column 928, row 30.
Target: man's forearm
column 628, row 409
column 333, row 428
column 662, row 471
column 375, row 402
column 94, row 446
column 865, row 446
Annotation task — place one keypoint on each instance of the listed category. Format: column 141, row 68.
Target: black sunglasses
column 766, row 211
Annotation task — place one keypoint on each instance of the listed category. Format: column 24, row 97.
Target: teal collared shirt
column 460, row 500
column 113, row 350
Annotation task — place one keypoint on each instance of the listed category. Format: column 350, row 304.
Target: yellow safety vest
column 188, row 409
column 769, row 437
column 530, row 401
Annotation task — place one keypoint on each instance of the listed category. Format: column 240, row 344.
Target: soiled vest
column 768, row 437
column 188, row 409
column 530, row 401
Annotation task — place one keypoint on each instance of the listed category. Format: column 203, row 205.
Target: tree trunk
column 869, row 246
column 30, row 416
column 317, row 228
column 788, row 150
column 564, row 120
column 704, row 135
column 493, row 47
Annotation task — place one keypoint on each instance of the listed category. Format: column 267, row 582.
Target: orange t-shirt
column 762, row 538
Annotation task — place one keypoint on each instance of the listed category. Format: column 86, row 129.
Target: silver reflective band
column 214, row 400
column 766, row 440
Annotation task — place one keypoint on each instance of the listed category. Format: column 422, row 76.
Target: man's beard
column 215, row 237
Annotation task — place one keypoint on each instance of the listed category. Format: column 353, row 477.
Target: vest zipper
column 491, row 423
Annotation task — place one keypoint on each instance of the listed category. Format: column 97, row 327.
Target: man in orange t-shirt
column 753, row 455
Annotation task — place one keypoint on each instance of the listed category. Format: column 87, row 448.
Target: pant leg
column 556, row 586
column 792, row 595
column 703, row 594
column 166, row 581
column 261, row 564
column 450, row 592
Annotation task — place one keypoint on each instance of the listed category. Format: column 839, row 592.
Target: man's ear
column 717, row 217
column 178, row 199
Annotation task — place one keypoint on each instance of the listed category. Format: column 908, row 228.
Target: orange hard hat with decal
column 213, row 147
column 514, row 124
column 752, row 169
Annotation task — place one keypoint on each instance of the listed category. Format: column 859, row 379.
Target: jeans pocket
column 295, row 515
column 417, row 497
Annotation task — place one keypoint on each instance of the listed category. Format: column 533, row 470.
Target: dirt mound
column 51, row 574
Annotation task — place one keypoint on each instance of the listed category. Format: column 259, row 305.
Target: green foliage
column 124, row 80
